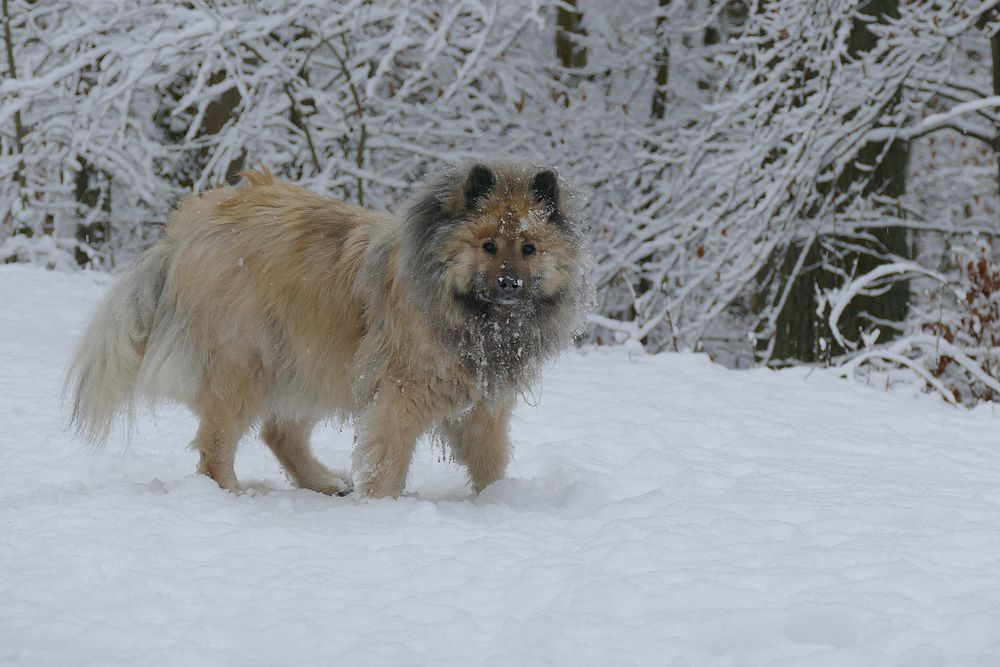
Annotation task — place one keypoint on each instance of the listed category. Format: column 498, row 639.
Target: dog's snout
column 509, row 284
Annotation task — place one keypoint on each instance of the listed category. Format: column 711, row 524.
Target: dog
column 266, row 304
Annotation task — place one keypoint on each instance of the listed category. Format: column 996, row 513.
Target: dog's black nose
column 509, row 284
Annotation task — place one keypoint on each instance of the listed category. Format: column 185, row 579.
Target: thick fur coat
column 268, row 304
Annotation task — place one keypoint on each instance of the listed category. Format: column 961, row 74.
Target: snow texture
column 660, row 510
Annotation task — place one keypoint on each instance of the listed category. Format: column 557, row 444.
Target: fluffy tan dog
column 269, row 304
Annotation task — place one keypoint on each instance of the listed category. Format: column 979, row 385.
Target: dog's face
column 511, row 249
column 495, row 262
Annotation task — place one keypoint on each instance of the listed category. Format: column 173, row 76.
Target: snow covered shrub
column 953, row 341
column 48, row 251
column 972, row 326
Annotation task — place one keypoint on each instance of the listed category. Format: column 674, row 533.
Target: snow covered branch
column 839, row 299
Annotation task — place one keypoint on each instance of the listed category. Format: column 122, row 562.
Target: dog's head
column 496, row 262
column 496, row 239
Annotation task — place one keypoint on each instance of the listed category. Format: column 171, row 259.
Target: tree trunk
column 217, row 114
column 995, row 44
column 18, row 126
column 91, row 194
column 569, row 49
column 801, row 333
column 662, row 66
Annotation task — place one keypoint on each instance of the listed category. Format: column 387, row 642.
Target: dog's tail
column 104, row 371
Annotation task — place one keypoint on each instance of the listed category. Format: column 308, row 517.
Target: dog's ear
column 478, row 185
column 545, row 187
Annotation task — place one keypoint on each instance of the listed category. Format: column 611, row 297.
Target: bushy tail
column 105, row 368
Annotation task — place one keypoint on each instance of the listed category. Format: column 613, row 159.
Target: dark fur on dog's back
column 270, row 304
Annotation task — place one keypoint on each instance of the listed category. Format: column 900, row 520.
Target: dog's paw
column 340, row 488
column 336, row 486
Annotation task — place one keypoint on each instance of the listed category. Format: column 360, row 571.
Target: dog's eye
column 528, row 249
column 490, row 247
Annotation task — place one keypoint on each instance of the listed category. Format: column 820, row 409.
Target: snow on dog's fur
column 270, row 304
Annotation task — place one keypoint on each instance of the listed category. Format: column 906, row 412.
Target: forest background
column 771, row 181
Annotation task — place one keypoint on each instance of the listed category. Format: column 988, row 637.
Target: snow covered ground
column 660, row 510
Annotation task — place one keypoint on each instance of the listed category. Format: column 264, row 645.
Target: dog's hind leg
column 225, row 417
column 289, row 440
column 480, row 440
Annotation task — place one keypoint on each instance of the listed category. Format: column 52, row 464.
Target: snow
column 660, row 510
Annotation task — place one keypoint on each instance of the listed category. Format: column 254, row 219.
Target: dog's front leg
column 479, row 439
column 387, row 434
